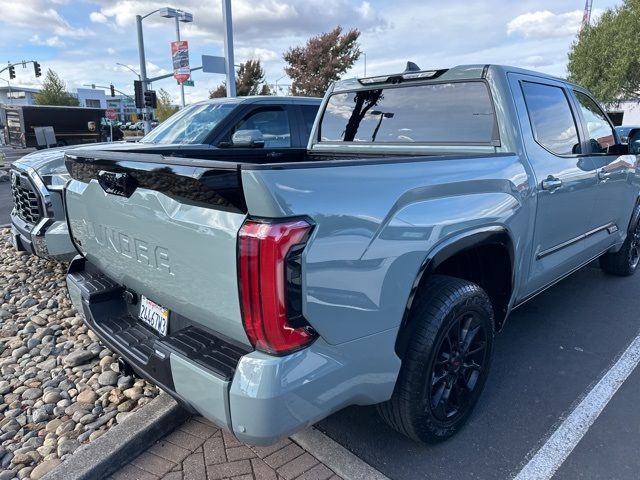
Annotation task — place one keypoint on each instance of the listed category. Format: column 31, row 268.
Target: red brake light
column 262, row 252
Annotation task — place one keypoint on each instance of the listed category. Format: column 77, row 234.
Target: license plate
column 154, row 315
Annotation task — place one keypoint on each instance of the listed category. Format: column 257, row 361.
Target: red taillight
column 263, row 249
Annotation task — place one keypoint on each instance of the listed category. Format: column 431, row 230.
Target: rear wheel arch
column 468, row 256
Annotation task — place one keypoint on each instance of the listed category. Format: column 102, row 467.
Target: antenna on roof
column 412, row 67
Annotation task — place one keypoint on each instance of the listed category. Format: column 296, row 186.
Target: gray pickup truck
column 374, row 269
column 268, row 127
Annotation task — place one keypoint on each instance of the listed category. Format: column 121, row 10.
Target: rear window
column 444, row 113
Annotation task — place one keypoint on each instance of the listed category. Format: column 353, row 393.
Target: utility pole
column 228, row 48
column 178, row 39
column 143, row 73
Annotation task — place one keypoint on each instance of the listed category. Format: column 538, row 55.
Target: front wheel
column 625, row 261
column 446, row 363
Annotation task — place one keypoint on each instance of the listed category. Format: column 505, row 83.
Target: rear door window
column 309, row 113
column 272, row 122
column 600, row 130
column 554, row 126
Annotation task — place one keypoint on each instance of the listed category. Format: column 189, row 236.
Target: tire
column 625, row 261
column 442, row 306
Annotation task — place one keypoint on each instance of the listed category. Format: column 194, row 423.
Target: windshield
column 191, row 124
column 445, row 113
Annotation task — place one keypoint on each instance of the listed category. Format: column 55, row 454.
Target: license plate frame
column 154, row 315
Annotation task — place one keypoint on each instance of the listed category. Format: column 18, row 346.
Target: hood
column 52, row 159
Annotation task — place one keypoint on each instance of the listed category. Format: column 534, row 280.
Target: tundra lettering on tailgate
column 153, row 256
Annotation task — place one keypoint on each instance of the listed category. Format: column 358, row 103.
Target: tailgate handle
column 117, row 183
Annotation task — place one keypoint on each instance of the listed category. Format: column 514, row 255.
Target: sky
column 83, row 40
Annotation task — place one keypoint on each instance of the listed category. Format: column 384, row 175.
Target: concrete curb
column 335, row 456
column 123, row 442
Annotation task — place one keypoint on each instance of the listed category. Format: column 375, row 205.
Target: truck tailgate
column 163, row 228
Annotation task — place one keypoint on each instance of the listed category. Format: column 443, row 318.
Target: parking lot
column 551, row 353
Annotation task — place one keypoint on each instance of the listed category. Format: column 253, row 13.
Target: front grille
column 25, row 198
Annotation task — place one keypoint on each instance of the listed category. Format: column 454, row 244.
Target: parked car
column 137, row 126
column 38, row 223
column 623, row 132
column 373, row 269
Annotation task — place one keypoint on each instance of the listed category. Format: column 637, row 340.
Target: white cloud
column 38, row 14
column 259, row 19
column 97, row 17
column 49, row 42
column 545, row 24
column 253, row 53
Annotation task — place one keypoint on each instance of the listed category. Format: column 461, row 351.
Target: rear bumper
column 259, row 397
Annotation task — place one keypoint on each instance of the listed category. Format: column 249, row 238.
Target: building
column 16, row 95
column 92, row 97
column 125, row 106
column 626, row 113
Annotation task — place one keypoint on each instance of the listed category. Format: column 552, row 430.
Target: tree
column 605, row 57
column 249, row 81
column 164, row 108
column 54, row 92
column 321, row 61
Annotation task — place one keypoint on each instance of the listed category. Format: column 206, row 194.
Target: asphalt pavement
column 551, row 352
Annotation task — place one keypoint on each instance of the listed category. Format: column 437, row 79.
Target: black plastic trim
column 574, row 240
column 490, row 235
column 327, row 159
column 201, row 182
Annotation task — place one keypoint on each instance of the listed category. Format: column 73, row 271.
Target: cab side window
column 272, row 122
column 600, row 131
column 554, row 127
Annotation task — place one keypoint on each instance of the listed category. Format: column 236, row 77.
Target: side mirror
column 634, row 141
column 248, row 139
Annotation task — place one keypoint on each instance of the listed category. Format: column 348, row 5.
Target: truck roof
column 460, row 72
column 266, row 99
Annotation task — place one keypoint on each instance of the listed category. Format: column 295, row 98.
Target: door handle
column 603, row 176
column 551, row 183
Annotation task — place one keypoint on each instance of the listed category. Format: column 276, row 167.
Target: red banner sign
column 180, row 56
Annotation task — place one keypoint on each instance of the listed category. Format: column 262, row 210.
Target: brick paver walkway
column 198, row 450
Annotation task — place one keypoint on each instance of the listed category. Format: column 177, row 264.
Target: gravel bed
column 59, row 386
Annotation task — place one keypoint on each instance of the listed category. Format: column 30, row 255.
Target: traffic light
column 12, row 72
column 137, row 93
column 36, row 68
column 150, row 98
column 113, row 91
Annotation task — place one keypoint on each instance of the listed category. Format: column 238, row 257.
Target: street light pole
column 143, row 73
column 128, row 67
column 178, row 39
column 228, row 48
